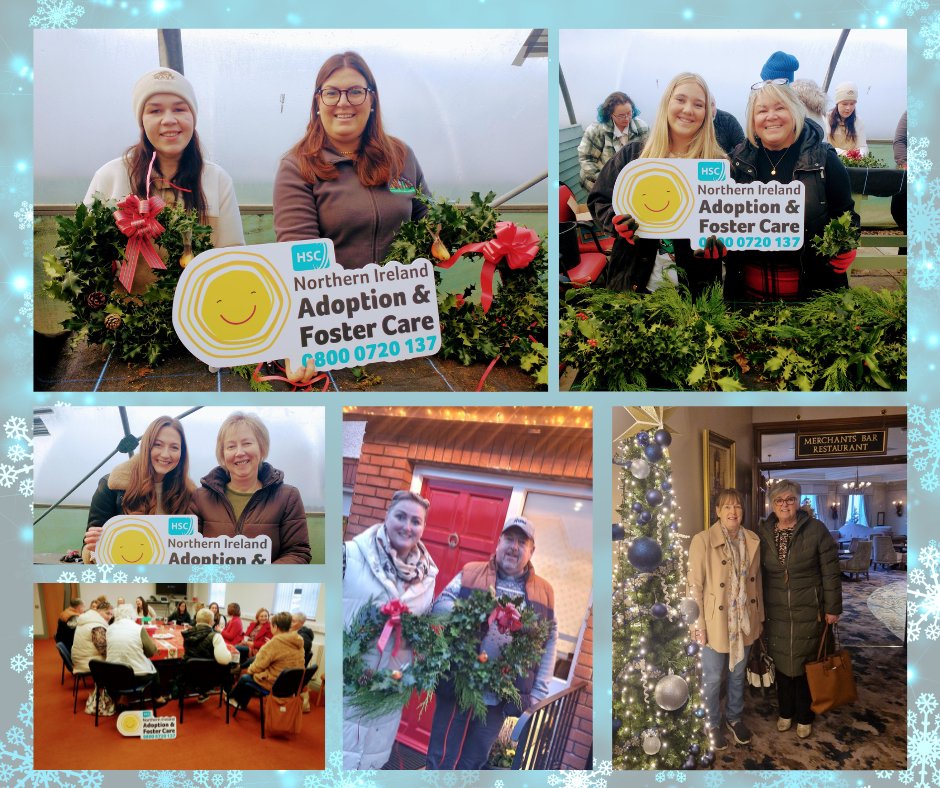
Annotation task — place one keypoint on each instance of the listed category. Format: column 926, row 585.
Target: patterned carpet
column 872, row 733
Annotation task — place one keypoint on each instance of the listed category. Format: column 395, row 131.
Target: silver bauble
column 689, row 609
column 640, row 468
column 671, row 692
column 651, row 744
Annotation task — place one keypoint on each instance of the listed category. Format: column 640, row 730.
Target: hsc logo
column 182, row 526
column 712, row 170
column 310, row 256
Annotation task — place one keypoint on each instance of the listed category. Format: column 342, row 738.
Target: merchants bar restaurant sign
column 840, row 444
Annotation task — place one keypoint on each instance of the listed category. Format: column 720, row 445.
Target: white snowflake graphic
column 923, row 594
column 910, row 7
column 335, row 777
column 923, row 438
column 200, row 778
column 574, row 778
column 915, row 106
column 27, row 309
column 924, row 231
column 919, row 164
column 67, row 577
column 24, row 215
column 714, row 780
column 212, row 573
column 20, row 454
column 930, row 33
column 101, row 573
column 56, row 13
column 923, row 743
column 451, row 779
column 28, row 248
column 679, row 777
column 22, row 663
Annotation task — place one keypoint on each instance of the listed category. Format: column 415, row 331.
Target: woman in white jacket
column 165, row 109
column 386, row 562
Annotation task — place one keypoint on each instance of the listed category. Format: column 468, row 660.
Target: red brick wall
column 393, row 445
column 578, row 748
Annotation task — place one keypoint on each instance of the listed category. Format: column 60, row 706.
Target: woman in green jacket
column 802, row 593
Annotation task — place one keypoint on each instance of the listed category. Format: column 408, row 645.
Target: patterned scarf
column 739, row 623
column 410, row 568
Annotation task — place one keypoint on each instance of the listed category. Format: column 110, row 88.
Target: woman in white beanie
column 845, row 131
column 165, row 108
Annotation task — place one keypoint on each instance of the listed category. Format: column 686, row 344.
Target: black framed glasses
column 763, row 82
column 355, row 96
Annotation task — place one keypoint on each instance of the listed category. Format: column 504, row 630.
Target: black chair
column 76, row 677
column 119, row 680
column 290, row 682
column 200, row 676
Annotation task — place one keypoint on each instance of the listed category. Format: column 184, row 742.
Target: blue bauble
column 659, row 610
column 637, row 506
column 695, row 749
column 707, row 759
column 653, row 452
column 645, row 554
column 654, row 497
column 617, row 725
column 643, row 438
column 689, row 763
column 667, row 486
column 644, row 517
column 673, row 526
column 617, row 532
column 662, row 437
column 691, row 649
column 700, row 713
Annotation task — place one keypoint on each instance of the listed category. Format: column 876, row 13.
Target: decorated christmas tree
column 658, row 716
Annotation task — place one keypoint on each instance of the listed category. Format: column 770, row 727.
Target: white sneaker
column 783, row 724
column 804, row 731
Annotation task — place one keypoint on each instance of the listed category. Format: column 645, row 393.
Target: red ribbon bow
column 518, row 245
column 506, row 617
column 137, row 219
column 393, row 610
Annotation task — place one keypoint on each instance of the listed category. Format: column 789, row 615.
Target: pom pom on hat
column 846, row 91
column 162, row 80
column 780, row 65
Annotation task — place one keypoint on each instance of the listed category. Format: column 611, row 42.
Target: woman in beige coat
column 724, row 579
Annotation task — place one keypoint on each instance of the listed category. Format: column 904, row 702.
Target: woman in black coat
column 802, row 593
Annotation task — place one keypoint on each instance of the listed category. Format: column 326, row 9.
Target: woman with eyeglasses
column 617, row 124
column 802, row 593
column 346, row 179
column 782, row 147
column 683, row 129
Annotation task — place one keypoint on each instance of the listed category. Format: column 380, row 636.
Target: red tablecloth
column 172, row 647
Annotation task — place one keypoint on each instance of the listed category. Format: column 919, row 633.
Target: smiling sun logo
column 656, row 194
column 231, row 304
column 129, row 723
column 130, row 540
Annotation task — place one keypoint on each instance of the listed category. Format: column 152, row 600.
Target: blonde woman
column 683, row 129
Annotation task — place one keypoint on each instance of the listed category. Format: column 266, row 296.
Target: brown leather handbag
column 830, row 677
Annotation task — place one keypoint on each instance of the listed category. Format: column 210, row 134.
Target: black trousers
column 794, row 699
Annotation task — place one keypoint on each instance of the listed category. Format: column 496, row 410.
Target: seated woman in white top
column 128, row 642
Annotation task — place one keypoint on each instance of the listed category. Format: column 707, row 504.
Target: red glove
column 841, row 262
column 626, row 226
column 714, row 249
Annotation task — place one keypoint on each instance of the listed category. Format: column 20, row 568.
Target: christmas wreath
column 83, row 271
column 374, row 692
column 510, row 322
column 472, row 671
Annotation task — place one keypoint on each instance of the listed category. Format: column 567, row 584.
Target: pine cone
column 96, row 300
column 112, row 322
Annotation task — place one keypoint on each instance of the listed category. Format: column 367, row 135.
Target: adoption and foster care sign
column 247, row 304
column 696, row 198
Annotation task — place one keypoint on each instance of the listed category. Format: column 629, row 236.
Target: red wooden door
column 463, row 525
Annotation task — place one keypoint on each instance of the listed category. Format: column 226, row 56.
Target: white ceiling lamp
column 856, row 485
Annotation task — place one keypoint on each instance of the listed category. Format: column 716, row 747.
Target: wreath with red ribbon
column 376, row 691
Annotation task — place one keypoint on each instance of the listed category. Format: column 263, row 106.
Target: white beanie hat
column 162, row 80
column 847, row 91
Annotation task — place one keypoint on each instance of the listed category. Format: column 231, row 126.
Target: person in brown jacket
column 724, row 579
column 247, row 495
column 282, row 652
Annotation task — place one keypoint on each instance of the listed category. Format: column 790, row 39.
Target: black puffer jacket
column 798, row 594
column 828, row 195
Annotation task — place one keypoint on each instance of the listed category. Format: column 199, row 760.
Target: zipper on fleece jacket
column 375, row 226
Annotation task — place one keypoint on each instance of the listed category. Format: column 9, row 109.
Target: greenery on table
column 82, row 272
column 868, row 160
column 515, row 329
column 847, row 340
